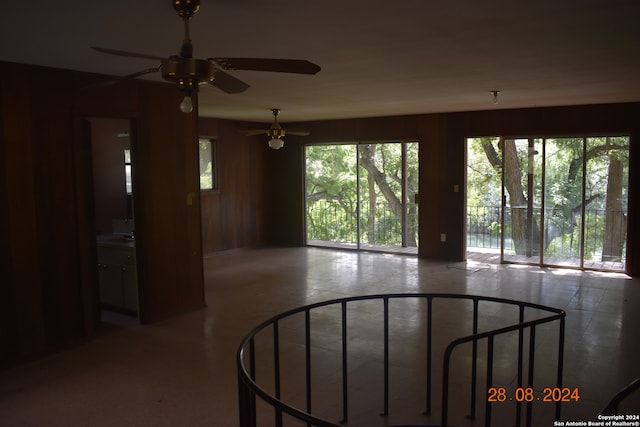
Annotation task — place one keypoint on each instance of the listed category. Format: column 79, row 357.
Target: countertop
column 115, row 240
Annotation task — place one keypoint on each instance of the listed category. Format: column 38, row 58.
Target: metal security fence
column 561, row 231
column 329, row 221
column 483, row 227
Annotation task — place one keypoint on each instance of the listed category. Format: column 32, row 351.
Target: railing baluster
column 307, row 341
column 444, row 417
column 247, row 404
column 429, row 351
column 276, row 368
column 385, row 412
column 345, row 385
column 520, row 365
column 532, row 355
column 560, row 365
column 487, row 413
column 474, row 361
column 252, row 375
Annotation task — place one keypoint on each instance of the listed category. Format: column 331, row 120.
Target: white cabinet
column 117, row 275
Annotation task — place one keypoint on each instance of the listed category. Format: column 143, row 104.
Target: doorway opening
column 114, row 190
column 558, row 202
column 362, row 196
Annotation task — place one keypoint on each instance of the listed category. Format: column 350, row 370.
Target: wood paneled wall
column 233, row 214
column 48, row 278
column 42, row 299
column 167, row 207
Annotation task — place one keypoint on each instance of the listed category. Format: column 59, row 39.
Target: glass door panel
column 381, row 195
column 411, row 195
column 522, row 201
column 363, row 196
column 606, row 197
column 331, row 188
column 565, row 201
column 562, row 239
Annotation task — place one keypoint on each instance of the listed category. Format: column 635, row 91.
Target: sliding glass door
column 565, row 201
column 522, row 199
column 362, row 196
column 331, row 185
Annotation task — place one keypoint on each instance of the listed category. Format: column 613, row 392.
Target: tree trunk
column 412, row 213
column 366, row 161
column 524, row 239
column 517, row 198
column 614, row 223
column 371, row 219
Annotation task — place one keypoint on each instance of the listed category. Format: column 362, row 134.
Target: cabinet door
column 110, row 276
column 117, row 275
column 129, row 287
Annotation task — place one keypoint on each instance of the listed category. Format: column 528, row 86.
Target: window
column 207, row 148
column 127, row 171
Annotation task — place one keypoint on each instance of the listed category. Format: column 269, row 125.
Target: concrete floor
column 182, row 372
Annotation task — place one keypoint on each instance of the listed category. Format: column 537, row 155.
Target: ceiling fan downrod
column 186, row 9
column 187, row 72
column 276, row 131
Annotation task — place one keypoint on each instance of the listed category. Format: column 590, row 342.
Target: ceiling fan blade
column 128, row 76
column 298, row 132
column 129, row 54
column 254, row 132
column 228, row 83
column 299, row 66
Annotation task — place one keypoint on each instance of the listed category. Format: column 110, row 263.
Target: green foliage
column 483, row 178
column 205, row 153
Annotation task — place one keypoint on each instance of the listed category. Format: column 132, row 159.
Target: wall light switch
column 456, row 188
column 443, row 237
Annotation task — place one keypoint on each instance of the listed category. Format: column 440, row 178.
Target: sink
column 116, row 239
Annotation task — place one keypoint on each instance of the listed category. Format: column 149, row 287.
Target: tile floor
column 182, row 372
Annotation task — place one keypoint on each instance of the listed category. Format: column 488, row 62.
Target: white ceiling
column 378, row 58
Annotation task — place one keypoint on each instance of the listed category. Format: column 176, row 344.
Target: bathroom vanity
column 117, row 272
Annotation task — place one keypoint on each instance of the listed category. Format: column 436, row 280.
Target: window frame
column 128, row 174
column 215, row 183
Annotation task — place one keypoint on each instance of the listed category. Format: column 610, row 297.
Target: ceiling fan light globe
column 186, row 106
column 276, row 143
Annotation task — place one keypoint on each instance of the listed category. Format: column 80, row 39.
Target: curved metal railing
column 289, row 348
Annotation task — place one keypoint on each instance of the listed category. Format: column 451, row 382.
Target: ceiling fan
column 276, row 132
column 189, row 72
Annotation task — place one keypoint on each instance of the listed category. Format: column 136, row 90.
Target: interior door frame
column 133, row 122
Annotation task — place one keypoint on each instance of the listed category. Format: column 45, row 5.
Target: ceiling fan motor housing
column 276, row 132
column 186, row 8
column 188, row 73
